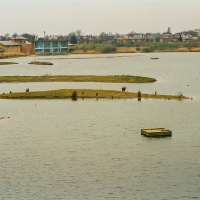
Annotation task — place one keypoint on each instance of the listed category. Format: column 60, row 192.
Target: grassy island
column 87, row 78
column 87, row 93
column 8, row 63
column 40, row 63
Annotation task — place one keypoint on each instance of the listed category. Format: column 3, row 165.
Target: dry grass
column 182, row 49
column 79, row 52
column 126, row 50
column 12, row 54
column 92, row 52
column 195, row 49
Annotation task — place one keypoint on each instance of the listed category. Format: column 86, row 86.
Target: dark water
column 60, row 149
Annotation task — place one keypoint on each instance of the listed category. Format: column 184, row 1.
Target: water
column 60, row 149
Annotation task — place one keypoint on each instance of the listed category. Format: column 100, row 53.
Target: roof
column 28, row 42
column 43, row 40
column 19, row 38
column 9, row 43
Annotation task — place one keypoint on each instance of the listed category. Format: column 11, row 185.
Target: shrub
column 108, row 48
column 139, row 94
column 138, row 49
column 27, row 90
column 123, row 89
column 74, row 96
column 180, row 94
column 149, row 49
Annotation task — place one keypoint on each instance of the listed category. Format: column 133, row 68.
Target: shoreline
column 94, row 52
column 88, row 94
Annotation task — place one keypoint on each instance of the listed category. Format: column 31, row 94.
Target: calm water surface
column 59, row 149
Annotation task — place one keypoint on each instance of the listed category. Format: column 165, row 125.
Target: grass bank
column 87, row 93
column 87, row 78
column 40, row 63
column 8, row 63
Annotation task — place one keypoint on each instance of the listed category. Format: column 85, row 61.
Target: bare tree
column 102, row 36
column 78, row 32
column 131, row 34
column 6, row 36
column 15, row 35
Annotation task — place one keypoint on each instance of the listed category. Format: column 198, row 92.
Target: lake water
column 89, row 149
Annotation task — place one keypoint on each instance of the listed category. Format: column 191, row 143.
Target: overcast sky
column 96, row 16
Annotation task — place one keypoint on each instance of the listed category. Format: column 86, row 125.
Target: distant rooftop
column 19, row 38
column 51, row 40
column 28, row 42
column 9, row 43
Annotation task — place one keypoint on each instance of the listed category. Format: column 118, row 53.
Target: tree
column 78, row 33
column 103, row 37
column 180, row 39
column 73, row 39
column 29, row 37
column 131, row 34
column 6, row 36
column 15, row 35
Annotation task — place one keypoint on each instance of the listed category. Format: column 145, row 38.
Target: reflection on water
column 88, row 149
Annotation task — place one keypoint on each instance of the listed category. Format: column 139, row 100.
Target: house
column 19, row 39
column 197, row 31
column 152, row 37
column 26, row 47
column 10, row 47
column 189, row 35
column 138, row 37
column 51, row 46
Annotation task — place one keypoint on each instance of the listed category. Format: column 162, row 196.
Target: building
column 51, row 46
column 10, row 47
column 19, row 39
column 198, row 32
column 17, row 45
column 26, row 47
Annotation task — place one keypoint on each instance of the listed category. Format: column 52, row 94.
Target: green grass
column 87, row 78
column 86, row 93
column 8, row 63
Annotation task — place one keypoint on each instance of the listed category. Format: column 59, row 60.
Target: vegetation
column 86, row 78
column 7, row 63
column 97, row 48
column 74, row 96
column 139, row 94
column 139, row 46
column 40, row 63
column 73, row 39
column 123, row 89
column 85, row 93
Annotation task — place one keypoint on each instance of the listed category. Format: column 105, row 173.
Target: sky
column 57, row 17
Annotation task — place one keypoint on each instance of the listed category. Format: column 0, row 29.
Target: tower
column 169, row 30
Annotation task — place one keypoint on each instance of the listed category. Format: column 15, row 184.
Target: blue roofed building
column 51, row 46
